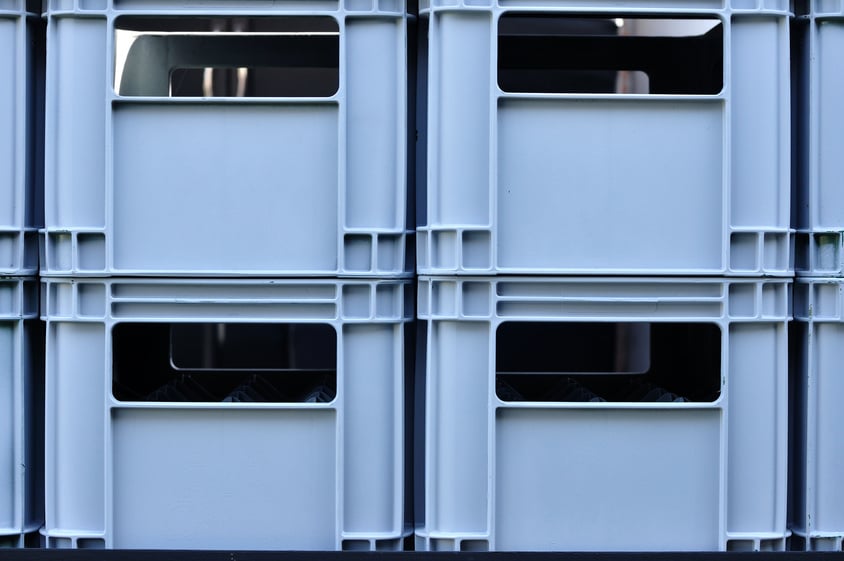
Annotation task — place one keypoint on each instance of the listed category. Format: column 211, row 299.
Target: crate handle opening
column 608, row 361
column 563, row 54
column 233, row 57
column 224, row 362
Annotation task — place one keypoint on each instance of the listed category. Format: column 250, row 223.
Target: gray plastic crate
column 819, row 216
column 242, row 414
column 19, row 214
column 21, row 411
column 558, row 144
column 288, row 158
column 603, row 414
column 817, row 501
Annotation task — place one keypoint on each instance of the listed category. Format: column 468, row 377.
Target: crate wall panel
column 141, row 181
column 816, row 517
column 527, row 520
column 547, row 179
column 20, row 37
column 554, row 473
column 21, row 429
column 819, row 38
column 311, row 467
column 209, row 453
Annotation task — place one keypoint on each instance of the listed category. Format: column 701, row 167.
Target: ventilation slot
column 557, row 54
column 225, row 362
column 608, row 362
column 227, row 57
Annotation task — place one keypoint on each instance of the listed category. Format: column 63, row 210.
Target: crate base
column 29, row 538
column 801, row 542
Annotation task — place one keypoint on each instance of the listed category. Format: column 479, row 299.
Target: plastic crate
column 548, row 152
column 188, row 138
column 21, row 411
column 817, row 494
column 603, row 414
column 819, row 48
column 226, row 414
column 19, row 174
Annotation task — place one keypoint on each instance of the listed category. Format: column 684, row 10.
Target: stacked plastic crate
column 605, row 256
column 21, row 510
column 227, row 293
column 817, row 494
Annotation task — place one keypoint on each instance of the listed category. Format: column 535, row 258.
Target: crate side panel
column 585, row 185
column 196, row 189
column 607, row 480
column 457, row 464
column 76, row 123
column 220, row 479
column 33, row 388
column 459, row 82
column 374, row 138
column 10, row 59
column 756, row 440
column 828, row 387
column 829, row 61
column 799, row 338
column 372, row 427
column 760, row 189
column 75, row 427
column 9, row 441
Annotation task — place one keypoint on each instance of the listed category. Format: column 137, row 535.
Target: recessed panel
column 605, row 480
column 564, row 54
column 212, row 187
column 212, row 479
column 227, row 56
column 608, row 361
column 597, row 185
